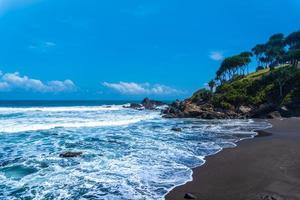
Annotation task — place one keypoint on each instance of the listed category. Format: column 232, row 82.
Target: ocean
column 127, row 154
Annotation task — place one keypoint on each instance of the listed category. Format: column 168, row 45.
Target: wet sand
column 266, row 167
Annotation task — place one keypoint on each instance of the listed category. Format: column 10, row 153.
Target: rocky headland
column 257, row 95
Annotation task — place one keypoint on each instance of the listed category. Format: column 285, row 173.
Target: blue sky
column 165, row 49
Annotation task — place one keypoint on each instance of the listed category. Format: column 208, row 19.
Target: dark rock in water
column 70, row 154
column 274, row 115
column 169, row 116
column 190, row 196
column 151, row 104
column 44, row 165
column 176, row 129
column 135, row 106
column 146, row 104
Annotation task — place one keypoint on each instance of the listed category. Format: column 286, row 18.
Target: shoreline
column 257, row 133
column 259, row 168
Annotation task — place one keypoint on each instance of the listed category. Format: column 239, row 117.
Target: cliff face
column 261, row 94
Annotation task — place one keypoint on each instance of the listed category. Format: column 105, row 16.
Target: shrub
column 259, row 68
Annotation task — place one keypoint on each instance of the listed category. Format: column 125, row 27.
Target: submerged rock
column 70, row 154
column 17, row 172
column 176, row 129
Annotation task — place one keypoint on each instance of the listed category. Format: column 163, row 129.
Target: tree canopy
column 277, row 50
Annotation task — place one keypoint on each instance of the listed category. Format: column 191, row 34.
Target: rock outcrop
column 188, row 109
column 151, row 104
column 135, row 106
column 256, row 95
column 147, row 104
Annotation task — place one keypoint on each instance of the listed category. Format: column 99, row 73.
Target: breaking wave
column 127, row 154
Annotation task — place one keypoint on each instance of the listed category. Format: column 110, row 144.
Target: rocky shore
column 206, row 110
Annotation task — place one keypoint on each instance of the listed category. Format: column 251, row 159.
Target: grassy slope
column 258, row 88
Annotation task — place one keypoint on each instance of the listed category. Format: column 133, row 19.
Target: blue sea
column 127, row 154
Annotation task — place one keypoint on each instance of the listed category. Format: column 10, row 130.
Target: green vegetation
column 258, row 88
column 278, row 50
column 276, row 81
column 279, row 87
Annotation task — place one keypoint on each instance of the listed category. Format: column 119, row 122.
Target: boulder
column 190, row 196
column 176, row 129
column 69, row 154
column 188, row 109
column 245, row 109
column 274, row 115
column 135, row 106
column 169, row 116
column 263, row 110
column 151, row 104
column 269, row 196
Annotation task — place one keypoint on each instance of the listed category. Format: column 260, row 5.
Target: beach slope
column 267, row 167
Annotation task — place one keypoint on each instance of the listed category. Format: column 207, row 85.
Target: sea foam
column 127, row 154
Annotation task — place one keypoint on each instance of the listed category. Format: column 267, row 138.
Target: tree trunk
column 281, row 84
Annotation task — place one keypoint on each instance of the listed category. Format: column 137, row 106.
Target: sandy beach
column 266, row 167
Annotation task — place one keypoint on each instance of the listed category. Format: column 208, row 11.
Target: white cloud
column 11, row 81
column 144, row 88
column 4, row 86
column 50, row 44
column 42, row 47
column 216, row 55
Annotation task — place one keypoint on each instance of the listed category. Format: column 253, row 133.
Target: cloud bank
column 12, row 81
column 132, row 88
column 216, row 55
